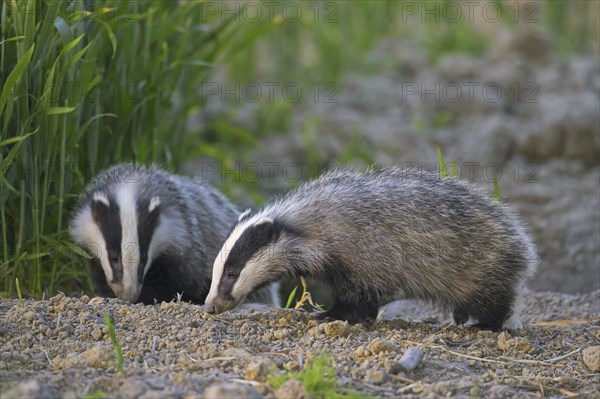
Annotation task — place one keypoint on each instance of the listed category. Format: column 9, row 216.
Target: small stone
column 227, row 390
column 132, row 388
column 257, row 371
column 315, row 331
column 377, row 376
column 292, row 389
column 591, row 358
column 520, row 344
column 27, row 389
column 96, row 300
column 97, row 356
column 97, row 334
column 393, row 367
column 30, row 316
column 336, row 328
column 84, row 299
column 281, row 334
column 360, row 352
column 411, row 358
column 504, row 341
column 381, row 345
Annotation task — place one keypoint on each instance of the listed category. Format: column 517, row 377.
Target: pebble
column 377, row 376
column 336, row 328
column 98, row 356
column 281, row 334
column 411, row 358
column 381, row 345
column 132, row 389
column 591, row 358
column 292, row 389
column 228, row 390
column 520, row 344
column 26, row 389
column 258, row 370
column 361, row 352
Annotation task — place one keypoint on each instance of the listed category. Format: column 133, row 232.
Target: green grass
column 115, row 344
column 318, row 378
column 19, row 291
column 291, row 298
column 86, row 88
column 95, row 395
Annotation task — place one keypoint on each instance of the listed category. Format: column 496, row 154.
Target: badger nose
column 210, row 309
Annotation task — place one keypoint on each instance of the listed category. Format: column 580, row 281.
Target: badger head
column 254, row 255
column 120, row 230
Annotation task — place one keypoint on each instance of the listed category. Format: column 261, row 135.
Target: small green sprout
column 115, row 344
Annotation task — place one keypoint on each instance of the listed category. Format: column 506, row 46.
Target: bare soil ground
column 61, row 348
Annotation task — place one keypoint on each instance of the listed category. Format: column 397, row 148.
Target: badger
column 383, row 234
column 152, row 235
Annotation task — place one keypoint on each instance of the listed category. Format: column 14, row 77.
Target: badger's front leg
column 359, row 308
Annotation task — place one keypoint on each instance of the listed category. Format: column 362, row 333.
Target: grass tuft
column 115, row 344
column 318, row 378
column 86, row 86
column 305, row 298
column 291, row 297
column 496, row 195
column 19, row 291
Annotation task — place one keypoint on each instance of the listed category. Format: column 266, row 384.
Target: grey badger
column 153, row 235
column 380, row 235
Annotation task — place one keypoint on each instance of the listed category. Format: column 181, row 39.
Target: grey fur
column 391, row 233
column 196, row 216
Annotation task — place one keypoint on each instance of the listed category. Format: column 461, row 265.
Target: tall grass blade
column 115, row 344
column 291, row 297
column 442, row 163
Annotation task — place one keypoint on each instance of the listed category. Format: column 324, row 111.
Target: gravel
column 61, row 348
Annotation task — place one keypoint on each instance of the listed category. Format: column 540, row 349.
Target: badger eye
column 231, row 274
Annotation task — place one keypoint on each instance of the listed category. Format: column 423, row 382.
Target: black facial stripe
column 250, row 242
column 147, row 224
column 108, row 219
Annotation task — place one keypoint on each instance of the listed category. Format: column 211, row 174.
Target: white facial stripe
column 248, row 277
column 87, row 233
column 219, row 265
column 154, row 202
column 101, row 198
column 130, row 248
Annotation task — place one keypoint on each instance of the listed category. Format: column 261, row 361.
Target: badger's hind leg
column 364, row 312
column 461, row 316
column 492, row 310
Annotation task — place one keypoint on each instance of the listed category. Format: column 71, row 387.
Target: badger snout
column 219, row 305
column 126, row 294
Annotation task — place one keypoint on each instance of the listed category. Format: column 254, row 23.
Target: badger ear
column 100, row 198
column 154, row 203
column 245, row 215
column 100, row 207
column 266, row 230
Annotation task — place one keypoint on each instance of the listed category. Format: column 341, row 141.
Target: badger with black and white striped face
column 153, row 235
column 381, row 235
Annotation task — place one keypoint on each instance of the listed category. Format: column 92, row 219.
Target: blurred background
column 256, row 97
